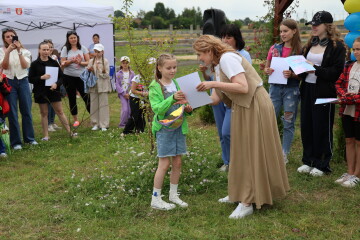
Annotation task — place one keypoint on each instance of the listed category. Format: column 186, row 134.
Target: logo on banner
column 5, row 10
column 18, row 11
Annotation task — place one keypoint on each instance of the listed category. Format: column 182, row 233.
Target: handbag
column 174, row 120
column 89, row 79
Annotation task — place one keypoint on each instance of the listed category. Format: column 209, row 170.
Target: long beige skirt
column 257, row 172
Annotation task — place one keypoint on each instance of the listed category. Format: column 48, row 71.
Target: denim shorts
column 170, row 143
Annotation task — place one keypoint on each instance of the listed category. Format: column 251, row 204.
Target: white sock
column 156, row 192
column 173, row 187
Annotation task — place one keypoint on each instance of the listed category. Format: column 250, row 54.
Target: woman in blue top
column 231, row 35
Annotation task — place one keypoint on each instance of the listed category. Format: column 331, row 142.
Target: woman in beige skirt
column 257, row 172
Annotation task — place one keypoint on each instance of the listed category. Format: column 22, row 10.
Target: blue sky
column 235, row 9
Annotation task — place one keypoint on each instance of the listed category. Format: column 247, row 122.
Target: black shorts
column 48, row 96
column 351, row 127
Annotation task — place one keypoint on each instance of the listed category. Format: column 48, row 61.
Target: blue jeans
column 288, row 98
column 51, row 114
column 222, row 115
column 2, row 147
column 20, row 91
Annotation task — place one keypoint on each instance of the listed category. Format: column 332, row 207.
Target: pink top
column 285, row 52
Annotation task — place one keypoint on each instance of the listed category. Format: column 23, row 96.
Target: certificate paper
column 188, row 85
column 326, row 100
column 53, row 72
column 298, row 64
column 279, row 64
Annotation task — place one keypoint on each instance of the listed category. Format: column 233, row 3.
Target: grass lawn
column 98, row 186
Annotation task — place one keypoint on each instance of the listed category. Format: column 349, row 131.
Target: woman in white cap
column 326, row 52
column 99, row 104
column 123, row 86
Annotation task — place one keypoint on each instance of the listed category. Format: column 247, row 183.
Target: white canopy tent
column 36, row 20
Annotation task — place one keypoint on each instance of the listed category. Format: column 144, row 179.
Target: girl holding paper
column 257, row 171
column 326, row 52
column 166, row 99
column 44, row 94
column 348, row 91
column 286, row 96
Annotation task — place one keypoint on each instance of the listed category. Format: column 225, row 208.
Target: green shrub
column 206, row 115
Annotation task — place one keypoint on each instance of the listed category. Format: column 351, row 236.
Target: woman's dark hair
column 96, row 35
column 68, row 45
column 231, row 30
column 5, row 30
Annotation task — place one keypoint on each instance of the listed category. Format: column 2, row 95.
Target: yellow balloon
column 352, row 6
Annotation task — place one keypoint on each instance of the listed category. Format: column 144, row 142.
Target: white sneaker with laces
column 343, row 178
column 304, row 169
column 316, row 172
column 241, row 211
column 94, row 128
column 56, row 127
column 224, row 200
column 104, row 129
column 224, row 168
column 174, row 197
column 51, row 128
column 17, row 147
column 158, row 203
column 351, row 182
column 34, row 143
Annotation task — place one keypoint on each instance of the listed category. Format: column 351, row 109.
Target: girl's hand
column 90, row 69
column 202, row 68
column 183, row 101
column 203, row 86
column 53, row 87
column 269, row 71
column 188, row 109
column 144, row 94
column 179, row 95
column 45, row 76
column 287, row 73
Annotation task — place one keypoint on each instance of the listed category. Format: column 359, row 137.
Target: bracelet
column 20, row 53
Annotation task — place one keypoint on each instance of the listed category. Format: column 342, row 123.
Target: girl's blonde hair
column 296, row 40
column 333, row 34
column 209, row 43
column 160, row 61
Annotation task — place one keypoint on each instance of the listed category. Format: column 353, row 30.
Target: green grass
column 98, row 186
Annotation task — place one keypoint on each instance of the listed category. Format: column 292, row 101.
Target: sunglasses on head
column 7, row 30
column 71, row 32
column 47, row 40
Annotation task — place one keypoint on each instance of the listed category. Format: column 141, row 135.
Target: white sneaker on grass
column 224, row 200
column 158, row 203
column 241, row 211
column 343, row 178
column 351, row 182
column 3, row 155
column 95, row 128
column 174, row 197
column 224, row 168
column 17, row 147
column 304, row 169
column 316, row 172
column 51, row 128
column 56, row 127
column 104, row 129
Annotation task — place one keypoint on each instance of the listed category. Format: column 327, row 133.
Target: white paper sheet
column 53, row 72
column 298, row 64
column 188, row 85
column 279, row 64
column 326, row 100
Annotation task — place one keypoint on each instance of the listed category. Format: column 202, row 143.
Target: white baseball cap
column 99, row 47
column 125, row 58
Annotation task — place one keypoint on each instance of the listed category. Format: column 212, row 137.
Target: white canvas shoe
column 343, row 178
column 316, row 172
column 224, row 200
column 351, row 182
column 51, row 128
column 304, row 169
column 158, row 203
column 241, row 211
column 174, row 197
column 95, row 128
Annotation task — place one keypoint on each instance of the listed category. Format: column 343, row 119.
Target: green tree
column 160, row 10
column 119, row 13
column 158, row 22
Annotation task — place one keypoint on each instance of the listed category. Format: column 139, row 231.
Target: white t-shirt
column 125, row 81
column 74, row 69
column 171, row 87
column 230, row 64
column 316, row 59
column 15, row 69
column 137, row 80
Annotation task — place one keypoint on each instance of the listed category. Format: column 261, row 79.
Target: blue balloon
column 350, row 37
column 352, row 57
column 352, row 22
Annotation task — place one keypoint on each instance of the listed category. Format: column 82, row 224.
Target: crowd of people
column 245, row 113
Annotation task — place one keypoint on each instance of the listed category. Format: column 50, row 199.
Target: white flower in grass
column 78, row 230
column 190, row 170
column 132, row 152
column 82, row 179
column 140, row 154
column 87, row 204
column 78, row 186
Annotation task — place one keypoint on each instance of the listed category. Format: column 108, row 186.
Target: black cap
column 321, row 17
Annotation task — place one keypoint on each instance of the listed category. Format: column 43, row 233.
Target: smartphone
column 15, row 38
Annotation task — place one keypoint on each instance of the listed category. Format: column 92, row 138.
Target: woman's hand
column 53, row 87
column 11, row 48
column 202, row 68
column 179, row 95
column 203, row 86
column 188, row 109
column 17, row 45
column 287, row 73
column 45, row 76
column 268, row 71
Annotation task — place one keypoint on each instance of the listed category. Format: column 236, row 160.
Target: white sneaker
column 3, row 155
column 304, row 169
column 224, row 168
column 51, row 128
column 34, row 143
column 56, row 127
column 316, row 172
column 343, row 178
column 351, row 182
column 94, row 128
column 17, row 147
column 174, row 197
column 104, row 129
column 224, row 200
column 241, row 211
column 285, row 157
column 158, row 203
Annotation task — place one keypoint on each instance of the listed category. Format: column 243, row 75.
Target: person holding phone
column 15, row 60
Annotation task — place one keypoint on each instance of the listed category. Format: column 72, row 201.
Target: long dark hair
column 231, row 30
column 67, row 43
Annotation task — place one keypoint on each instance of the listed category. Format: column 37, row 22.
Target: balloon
column 352, row 57
column 352, row 22
column 352, row 6
column 350, row 37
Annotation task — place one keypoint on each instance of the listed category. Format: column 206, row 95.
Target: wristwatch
column 20, row 53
